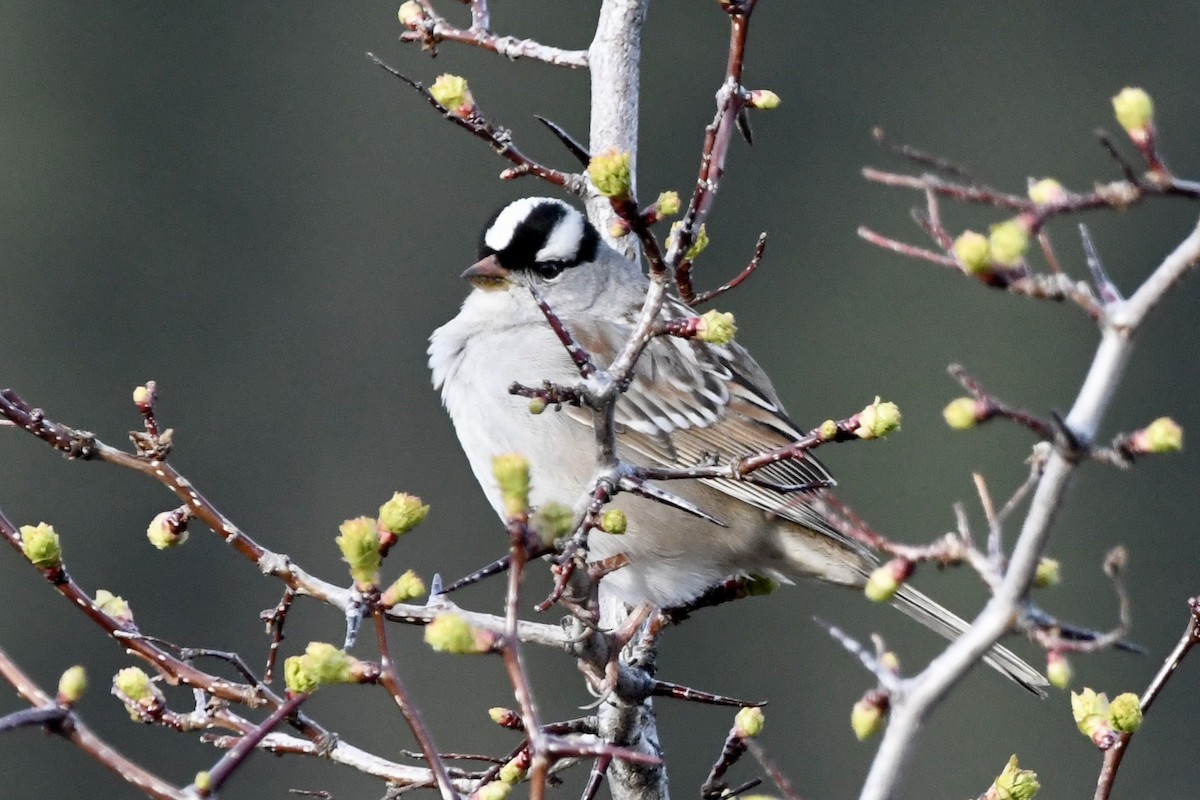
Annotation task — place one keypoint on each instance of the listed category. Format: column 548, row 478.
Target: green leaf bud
column 329, row 664
column 360, row 546
column 886, row 580
column 453, row 94
column 1047, row 191
column 613, row 521
column 878, row 420
column 552, row 521
column 716, row 327
column 299, row 676
column 610, row 173
column 1058, row 670
column 511, row 471
column 763, row 99
column 1007, row 243
column 407, row 587
column 667, row 204
column 411, row 15
column 1049, row 573
column 1134, row 111
column 749, row 722
column 972, row 253
column 869, row 715
column 1125, row 713
column 402, row 513
column 1090, row 710
column 71, row 685
column 1014, row 783
column 167, row 530
column 1164, row 435
column 450, row 633
column 114, row 606
column 41, row 546
column 495, row 790
column 961, row 413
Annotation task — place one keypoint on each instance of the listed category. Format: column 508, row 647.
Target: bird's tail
column 942, row 620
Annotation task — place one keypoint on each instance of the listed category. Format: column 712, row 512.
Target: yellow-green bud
column 887, row 579
column 1134, row 111
column 889, row 661
column 828, row 430
column 40, row 545
column 142, row 396
column 1047, row 191
column 359, row 543
column 613, row 521
column 453, row 94
column 868, row 716
column 1125, row 713
column 402, row 513
column 667, row 204
column 411, row 15
column 329, row 664
column 299, row 676
column 878, row 420
column 496, row 790
column 763, row 99
column 1058, row 670
column 1007, row 242
column 71, row 685
column 114, row 606
column 1014, row 783
column 512, row 475
column 536, row 406
column 450, row 633
column 503, row 716
column 716, row 327
column 512, row 772
column 135, row 685
column 972, row 252
column 408, row 586
column 759, row 585
column 202, row 781
column 167, row 530
column 552, row 521
column 699, row 245
column 1164, row 435
column 610, row 173
column 961, row 413
column 1049, row 573
column 1090, row 711
column 749, row 722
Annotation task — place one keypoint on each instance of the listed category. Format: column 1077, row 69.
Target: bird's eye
column 549, row 271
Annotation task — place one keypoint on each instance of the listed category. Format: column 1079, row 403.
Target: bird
column 688, row 402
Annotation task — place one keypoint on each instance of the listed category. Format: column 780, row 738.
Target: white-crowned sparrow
column 688, row 401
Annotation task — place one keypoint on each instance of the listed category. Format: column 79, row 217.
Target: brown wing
column 713, row 401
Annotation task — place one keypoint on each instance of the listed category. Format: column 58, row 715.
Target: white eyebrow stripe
column 564, row 240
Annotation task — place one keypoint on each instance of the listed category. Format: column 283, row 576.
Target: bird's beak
column 487, row 274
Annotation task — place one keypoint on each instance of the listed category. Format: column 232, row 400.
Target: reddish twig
column 237, row 755
column 389, row 679
column 736, row 281
column 1114, row 754
column 79, row 734
column 498, row 138
column 731, row 101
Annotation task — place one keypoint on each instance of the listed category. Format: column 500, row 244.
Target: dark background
column 228, row 198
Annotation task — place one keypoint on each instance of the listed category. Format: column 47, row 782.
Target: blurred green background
column 228, row 198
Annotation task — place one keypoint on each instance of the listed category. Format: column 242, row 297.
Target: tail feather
column 942, row 620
